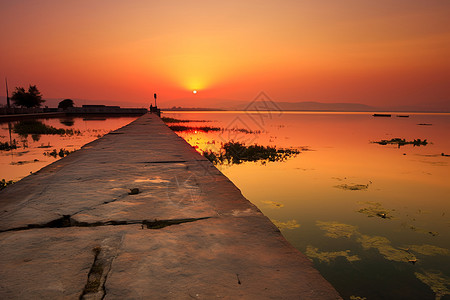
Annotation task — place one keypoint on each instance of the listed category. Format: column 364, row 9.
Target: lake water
column 374, row 219
column 29, row 155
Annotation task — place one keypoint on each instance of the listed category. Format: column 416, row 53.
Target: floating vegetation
column 292, row 224
column 194, row 128
column 237, row 153
column 24, row 162
column 420, row 230
column 353, row 187
column 374, row 209
column 424, row 124
column 61, row 153
column 437, row 281
column 337, row 230
column 4, row 183
column 327, row 257
column 8, row 146
column 429, row 250
column 274, row 204
column 173, row 120
column 353, row 297
column 401, row 142
column 34, row 127
column 178, row 128
column 383, row 245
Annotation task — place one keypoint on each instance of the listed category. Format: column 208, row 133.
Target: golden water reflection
column 382, row 209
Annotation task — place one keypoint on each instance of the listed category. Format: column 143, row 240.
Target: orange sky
column 373, row 52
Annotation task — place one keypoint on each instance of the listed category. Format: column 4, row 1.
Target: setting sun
column 194, row 92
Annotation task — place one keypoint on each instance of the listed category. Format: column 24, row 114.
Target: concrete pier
column 139, row 214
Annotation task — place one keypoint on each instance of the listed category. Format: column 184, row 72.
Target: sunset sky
column 380, row 52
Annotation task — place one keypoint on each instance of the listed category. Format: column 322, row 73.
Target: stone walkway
column 79, row 228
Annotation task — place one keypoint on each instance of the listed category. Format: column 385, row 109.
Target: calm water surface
column 374, row 219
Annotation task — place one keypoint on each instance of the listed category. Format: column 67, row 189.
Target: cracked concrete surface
column 74, row 231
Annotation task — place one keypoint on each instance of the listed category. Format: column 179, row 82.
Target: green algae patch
column 429, row 250
column 352, row 297
column 438, row 282
column 375, row 209
column 384, row 247
column 327, row 257
column 292, row 224
column 337, row 230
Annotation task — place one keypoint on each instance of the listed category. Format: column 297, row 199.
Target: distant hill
column 207, row 104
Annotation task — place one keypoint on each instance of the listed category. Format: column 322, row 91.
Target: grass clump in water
column 173, row 120
column 8, row 146
column 237, row 153
column 194, row 128
column 61, row 153
column 401, row 142
column 4, row 183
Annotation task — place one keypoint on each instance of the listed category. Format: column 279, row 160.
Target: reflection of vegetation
column 7, row 146
column 274, row 204
column 237, row 153
column 374, row 209
column 35, row 127
column 383, row 245
column 401, row 142
column 61, row 153
column 429, row 250
column 354, row 187
column 327, row 257
column 68, row 122
column 437, row 281
column 337, row 230
column 292, row 224
column 4, row 183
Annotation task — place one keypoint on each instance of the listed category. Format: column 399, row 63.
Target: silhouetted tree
column 66, row 103
column 32, row 98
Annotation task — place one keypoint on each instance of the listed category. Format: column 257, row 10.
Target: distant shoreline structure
column 16, row 113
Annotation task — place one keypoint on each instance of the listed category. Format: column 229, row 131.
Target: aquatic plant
column 4, row 183
column 8, row 146
column 353, row 187
column 401, row 142
column 194, row 128
column 336, row 230
column 375, row 209
column 61, row 153
column 291, row 224
column 173, row 120
column 237, row 153
column 384, row 247
column 437, row 281
column 324, row 256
